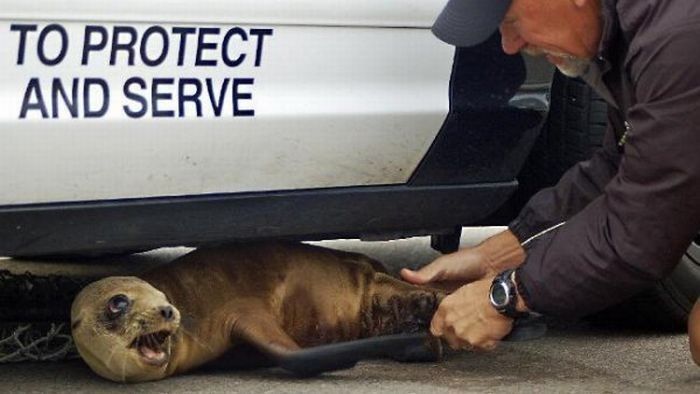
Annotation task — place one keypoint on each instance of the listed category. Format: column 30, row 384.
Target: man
column 629, row 212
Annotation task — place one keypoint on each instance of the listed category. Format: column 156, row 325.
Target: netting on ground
column 28, row 297
column 36, row 342
column 35, row 315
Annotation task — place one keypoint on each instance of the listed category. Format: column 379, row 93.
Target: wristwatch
column 504, row 296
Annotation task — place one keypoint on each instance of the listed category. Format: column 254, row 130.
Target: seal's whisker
column 124, row 369
column 196, row 339
column 111, row 354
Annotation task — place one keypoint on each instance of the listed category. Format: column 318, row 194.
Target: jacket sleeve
column 637, row 230
column 576, row 189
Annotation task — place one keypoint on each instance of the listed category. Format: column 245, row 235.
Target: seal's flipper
column 262, row 331
column 397, row 307
column 241, row 357
column 316, row 360
column 526, row 329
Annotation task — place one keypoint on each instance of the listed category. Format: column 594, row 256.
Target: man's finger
column 437, row 325
column 450, row 339
column 423, row 275
column 448, row 286
column 455, row 342
column 486, row 346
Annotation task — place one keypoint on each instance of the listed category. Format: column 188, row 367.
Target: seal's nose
column 167, row 312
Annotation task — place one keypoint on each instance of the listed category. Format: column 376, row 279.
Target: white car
column 130, row 125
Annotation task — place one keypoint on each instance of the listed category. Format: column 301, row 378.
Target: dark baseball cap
column 465, row 23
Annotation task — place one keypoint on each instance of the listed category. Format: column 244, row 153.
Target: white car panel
column 325, row 107
column 388, row 13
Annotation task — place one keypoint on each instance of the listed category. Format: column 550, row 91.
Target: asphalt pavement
column 573, row 357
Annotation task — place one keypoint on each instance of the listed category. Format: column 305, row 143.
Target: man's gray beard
column 574, row 67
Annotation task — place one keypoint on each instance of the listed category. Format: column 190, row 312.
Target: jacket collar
column 611, row 28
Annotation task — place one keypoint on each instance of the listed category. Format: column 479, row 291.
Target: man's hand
column 466, row 319
column 453, row 270
column 450, row 271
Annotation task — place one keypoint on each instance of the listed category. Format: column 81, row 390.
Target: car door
column 134, row 99
column 132, row 125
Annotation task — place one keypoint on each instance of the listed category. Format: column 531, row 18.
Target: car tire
column 574, row 130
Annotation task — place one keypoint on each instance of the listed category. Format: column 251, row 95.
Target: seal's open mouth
column 153, row 347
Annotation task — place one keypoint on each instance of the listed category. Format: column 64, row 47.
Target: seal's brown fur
column 277, row 297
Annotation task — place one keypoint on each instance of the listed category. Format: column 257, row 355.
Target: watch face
column 499, row 294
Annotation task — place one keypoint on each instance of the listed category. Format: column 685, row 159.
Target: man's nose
column 511, row 41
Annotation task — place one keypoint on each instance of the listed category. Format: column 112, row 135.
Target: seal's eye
column 117, row 305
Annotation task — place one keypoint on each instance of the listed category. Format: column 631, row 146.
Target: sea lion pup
column 275, row 297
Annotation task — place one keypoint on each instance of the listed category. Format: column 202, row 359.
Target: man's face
column 566, row 32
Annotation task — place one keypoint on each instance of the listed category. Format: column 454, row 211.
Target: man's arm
column 628, row 237
column 580, row 185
